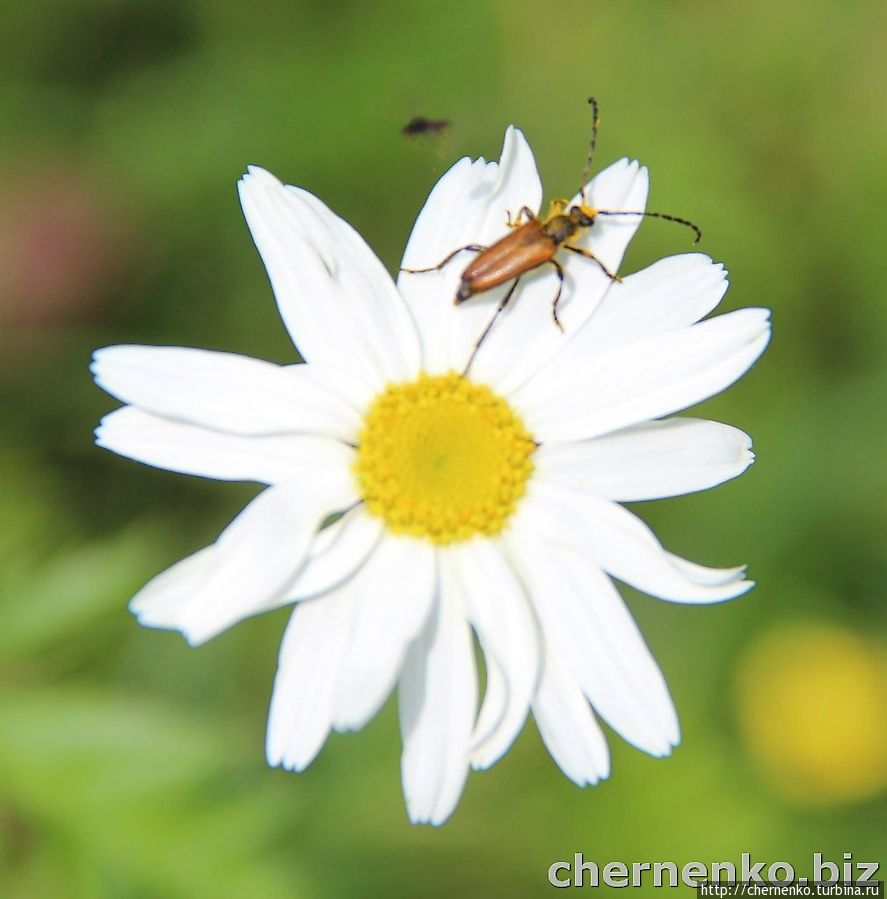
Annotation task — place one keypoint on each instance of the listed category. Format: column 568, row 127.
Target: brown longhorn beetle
column 535, row 242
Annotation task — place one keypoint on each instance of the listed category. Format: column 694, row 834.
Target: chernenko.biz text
column 844, row 875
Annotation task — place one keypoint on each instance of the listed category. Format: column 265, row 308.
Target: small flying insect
column 534, row 242
column 419, row 125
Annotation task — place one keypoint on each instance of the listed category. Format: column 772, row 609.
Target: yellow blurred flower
column 811, row 709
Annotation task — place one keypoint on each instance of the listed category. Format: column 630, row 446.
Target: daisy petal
column 567, row 726
column 591, row 631
column 162, row 601
column 337, row 301
column 649, row 461
column 229, row 392
column 389, row 598
column 494, row 707
column 469, row 205
column 647, row 379
column 624, row 185
column 336, row 553
column 438, row 700
column 620, row 543
column 700, row 574
column 472, row 200
column 191, row 449
column 300, row 717
column 497, row 606
column 671, row 294
column 246, row 571
column 527, row 322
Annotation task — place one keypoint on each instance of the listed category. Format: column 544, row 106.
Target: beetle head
column 582, row 215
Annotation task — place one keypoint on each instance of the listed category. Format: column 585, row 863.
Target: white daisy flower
column 483, row 505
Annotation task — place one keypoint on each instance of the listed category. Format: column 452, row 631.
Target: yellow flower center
column 442, row 458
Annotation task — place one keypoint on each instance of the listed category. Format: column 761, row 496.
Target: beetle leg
column 473, row 247
column 516, row 222
column 589, row 255
column 499, row 310
column 557, row 296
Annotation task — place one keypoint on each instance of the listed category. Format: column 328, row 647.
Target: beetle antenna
column 595, row 124
column 657, row 215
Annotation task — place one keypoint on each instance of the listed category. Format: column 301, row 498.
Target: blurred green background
column 132, row 766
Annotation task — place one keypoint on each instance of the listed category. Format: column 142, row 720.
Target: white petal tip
column 480, row 763
column 589, row 775
column 256, row 172
column 484, row 755
column 664, row 749
column 513, row 136
column 757, row 315
column 426, row 818
column 195, row 639
column 142, row 612
column 98, row 355
column 350, row 725
column 162, row 619
column 738, row 588
column 625, row 163
column 417, row 816
column 587, row 780
column 104, row 353
column 97, row 365
column 277, row 758
column 728, row 590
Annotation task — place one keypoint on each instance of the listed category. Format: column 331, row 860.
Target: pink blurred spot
column 60, row 250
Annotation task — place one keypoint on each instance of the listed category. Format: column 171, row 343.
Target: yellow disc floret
column 442, row 458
